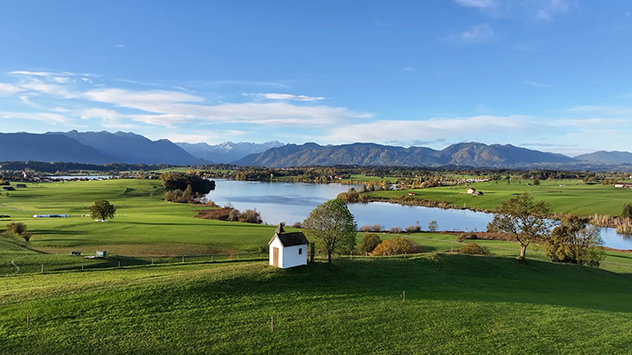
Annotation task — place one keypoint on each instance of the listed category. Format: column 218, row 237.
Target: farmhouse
column 288, row 249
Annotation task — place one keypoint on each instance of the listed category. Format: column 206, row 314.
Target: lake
column 292, row 202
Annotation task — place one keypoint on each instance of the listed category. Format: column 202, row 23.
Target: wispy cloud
column 51, row 74
column 408, row 69
column 431, row 129
column 117, row 107
column 36, row 116
column 551, row 8
column 519, row 9
column 480, row 4
column 479, row 33
column 537, row 84
column 8, row 89
column 291, row 97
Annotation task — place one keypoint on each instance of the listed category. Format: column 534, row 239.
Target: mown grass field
column 455, row 304
column 565, row 196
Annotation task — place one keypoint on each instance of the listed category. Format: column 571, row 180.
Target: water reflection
column 292, row 202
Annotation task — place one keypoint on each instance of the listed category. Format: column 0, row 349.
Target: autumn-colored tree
column 369, row 242
column 397, row 246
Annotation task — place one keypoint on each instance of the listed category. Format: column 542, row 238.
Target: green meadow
column 565, row 196
column 223, row 298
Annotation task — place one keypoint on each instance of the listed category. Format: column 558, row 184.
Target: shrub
column 474, row 249
column 396, row 246
column 465, row 236
column 26, row 235
column 297, row 225
column 250, row 216
column 369, row 242
column 16, row 228
column 233, row 215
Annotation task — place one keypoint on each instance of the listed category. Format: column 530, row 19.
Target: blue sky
column 552, row 75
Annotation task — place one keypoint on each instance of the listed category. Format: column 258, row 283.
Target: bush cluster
column 369, row 242
column 186, row 196
column 474, row 249
column 231, row 214
column 19, row 229
column 397, row 246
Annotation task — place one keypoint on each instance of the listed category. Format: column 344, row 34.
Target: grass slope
column 454, row 304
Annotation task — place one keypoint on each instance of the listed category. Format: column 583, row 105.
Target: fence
column 46, row 263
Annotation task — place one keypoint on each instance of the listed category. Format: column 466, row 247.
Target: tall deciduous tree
column 523, row 218
column 333, row 225
column 102, row 209
column 575, row 241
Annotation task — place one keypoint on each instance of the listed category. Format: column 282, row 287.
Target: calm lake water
column 292, row 202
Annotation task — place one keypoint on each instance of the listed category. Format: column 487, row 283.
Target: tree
column 333, row 224
column 102, row 209
column 523, row 218
column 432, row 226
column 369, row 242
column 575, row 241
column 178, row 180
column 627, row 210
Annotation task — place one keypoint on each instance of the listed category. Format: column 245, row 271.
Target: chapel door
column 275, row 257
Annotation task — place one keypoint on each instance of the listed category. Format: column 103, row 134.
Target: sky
column 550, row 75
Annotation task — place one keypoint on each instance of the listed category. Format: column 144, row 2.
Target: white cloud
column 537, row 84
column 26, row 99
column 479, row 33
column 519, row 9
column 61, row 79
column 273, row 96
column 380, row 131
column 50, row 74
column 408, row 69
column 8, row 89
column 550, row 8
column 46, row 117
column 480, row 4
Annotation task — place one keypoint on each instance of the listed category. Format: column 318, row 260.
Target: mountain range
column 130, row 148
column 369, row 154
column 227, row 152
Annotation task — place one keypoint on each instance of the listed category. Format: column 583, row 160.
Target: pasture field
column 454, row 304
column 565, row 196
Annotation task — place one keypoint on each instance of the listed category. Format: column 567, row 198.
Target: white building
column 288, row 249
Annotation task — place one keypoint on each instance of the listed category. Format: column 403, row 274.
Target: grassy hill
column 454, row 304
